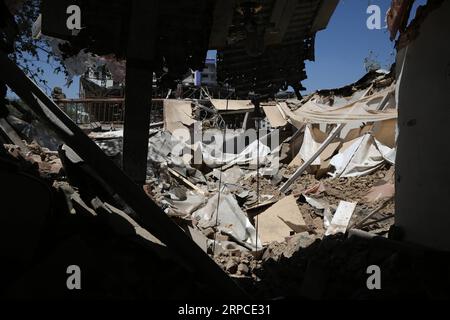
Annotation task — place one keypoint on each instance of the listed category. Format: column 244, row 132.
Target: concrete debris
column 275, row 115
column 341, row 218
column 289, row 213
column 298, row 241
column 381, row 192
column 189, row 192
column 229, row 176
column 223, row 212
column 177, row 114
column 277, row 222
column 241, row 216
column 205, row 186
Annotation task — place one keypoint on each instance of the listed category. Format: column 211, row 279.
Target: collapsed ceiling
column 262, row 45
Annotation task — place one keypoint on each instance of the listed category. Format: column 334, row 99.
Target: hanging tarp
column 363, row 110
column 291, row 117
column 312, row 140
column 360, row 157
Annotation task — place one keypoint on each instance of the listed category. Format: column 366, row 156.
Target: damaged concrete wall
column 422, row 167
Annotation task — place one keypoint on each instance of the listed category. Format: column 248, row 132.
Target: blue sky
column 340, row 49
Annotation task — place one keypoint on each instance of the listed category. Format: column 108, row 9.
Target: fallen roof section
column 150, row 216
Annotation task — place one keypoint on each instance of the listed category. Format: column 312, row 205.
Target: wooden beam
column 185, row 181
column 138, row 89
column 12, row 135
column 138, row 93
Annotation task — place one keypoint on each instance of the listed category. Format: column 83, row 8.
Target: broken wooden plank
column 341, row 218
column 179, row 176
column 13, row 136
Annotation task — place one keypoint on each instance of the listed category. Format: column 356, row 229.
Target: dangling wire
column 216, row 224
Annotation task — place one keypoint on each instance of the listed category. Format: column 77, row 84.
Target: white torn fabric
column 363, row 110
column 361, row 157
column 167, row 150
column 230, row 219
column 291, row 117
column 192, row 202
column 390, row 156
column 312, row 140
column 215, row 158
column 309, row 147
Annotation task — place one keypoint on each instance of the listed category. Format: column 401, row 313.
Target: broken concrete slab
column 298, row 241
column 199, row 238
column 230, row 176
column 278, row 221
column 290, row 214
column 341, row 218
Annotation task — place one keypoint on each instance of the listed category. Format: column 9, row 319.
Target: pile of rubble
column 263, row 200
column 238, row 216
